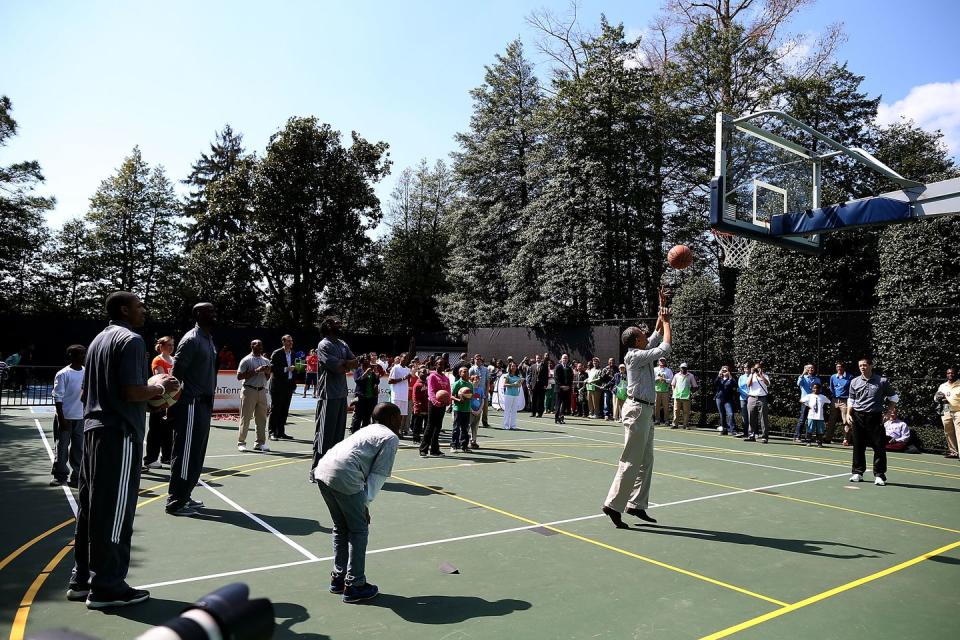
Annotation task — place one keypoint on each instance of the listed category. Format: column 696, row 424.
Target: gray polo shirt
column 116, row 357
column 346, row 467
column 331, row 382
column 195, row 365
column 870, row 396
column 249, row 363
column 640, row 364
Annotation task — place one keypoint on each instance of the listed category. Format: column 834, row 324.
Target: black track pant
column 430, row 443
column 109, row 480
column 159, row 438
column 362, row 413
column 868, row 431
column 191, row 428
column 330, row 422
column 539, row 397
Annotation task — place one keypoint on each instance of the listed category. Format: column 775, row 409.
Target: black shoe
column 285, row 437
column 57, row 483
column 337, row 584
column 182, row 510
column 764, row 441
column 640, row 513
column 196, row 504
column 353, row 595
column 750, row 439
column 615, row 516
column 73, row 483
column 128, row 597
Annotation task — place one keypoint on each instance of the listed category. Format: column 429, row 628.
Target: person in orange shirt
column 160, row 435
column 312, row 361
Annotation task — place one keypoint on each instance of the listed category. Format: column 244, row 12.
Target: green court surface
column 753, row 541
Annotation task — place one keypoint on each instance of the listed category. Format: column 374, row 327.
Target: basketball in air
column 167, row 399
column 680, row 256
column 443, row 397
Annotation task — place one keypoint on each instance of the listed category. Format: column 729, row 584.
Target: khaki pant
column 595, row 402
column 661, row 412
column 631, row 484
column 681, row 413
column 951, row 429
column 838, row 409
column 617, row 407
column 253, row 404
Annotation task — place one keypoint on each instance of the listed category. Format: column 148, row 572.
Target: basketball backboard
column 768, row 178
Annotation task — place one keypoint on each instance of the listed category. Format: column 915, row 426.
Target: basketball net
column 736, row 249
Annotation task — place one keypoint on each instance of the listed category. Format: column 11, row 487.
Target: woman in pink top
column 436, row 381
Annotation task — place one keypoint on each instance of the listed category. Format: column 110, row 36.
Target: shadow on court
column 446, row 609
column 925, row 487
column 289, row 525
column 413, row 490
column 154, row 611
column 808, row 547
column 288, row 614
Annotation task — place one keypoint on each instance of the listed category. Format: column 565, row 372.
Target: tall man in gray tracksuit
column 115, row 394
column 195, row 366
column 335, row 359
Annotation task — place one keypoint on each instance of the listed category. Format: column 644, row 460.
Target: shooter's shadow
column 289, row 525
column 807, row 547
column 154, row 611
column 446, row 609
column 925, row 487
column 412, row 489
column 292, row 614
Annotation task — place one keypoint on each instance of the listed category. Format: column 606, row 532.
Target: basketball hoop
column 736, row 249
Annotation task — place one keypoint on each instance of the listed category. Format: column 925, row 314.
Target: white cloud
column 931, row 106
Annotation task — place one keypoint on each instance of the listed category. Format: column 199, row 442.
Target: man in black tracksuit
column 115, row 394
column 282, row 385
column 195, row 366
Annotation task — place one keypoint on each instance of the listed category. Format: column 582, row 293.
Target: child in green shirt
column 462, row 395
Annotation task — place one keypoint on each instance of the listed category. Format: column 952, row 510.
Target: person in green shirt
column 462, row 395
column 683, row 384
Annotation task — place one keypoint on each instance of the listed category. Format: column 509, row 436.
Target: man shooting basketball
column 630, row 490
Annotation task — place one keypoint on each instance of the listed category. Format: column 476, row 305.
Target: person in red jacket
column 420, row 404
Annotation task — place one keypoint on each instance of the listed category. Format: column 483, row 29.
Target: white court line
column 66, row 489
column 259, row 521
column 697, row 455
column 474, row 536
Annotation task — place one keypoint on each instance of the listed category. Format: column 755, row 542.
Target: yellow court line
column 729, row 631
column 603, row 545
column 23, row 611
column 784, row 497
column 13, row 556
column 798, row 458
column 464, row 465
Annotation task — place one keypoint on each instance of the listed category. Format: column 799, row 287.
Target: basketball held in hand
column 680, row 256
column 443, row 397
column 168, row 399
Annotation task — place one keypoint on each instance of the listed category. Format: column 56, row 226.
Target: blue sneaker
column 336, row 583
column 353, row 594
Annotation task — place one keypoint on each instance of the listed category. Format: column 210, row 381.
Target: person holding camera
column 725, row 388
column 948, row 397
column 758, row 406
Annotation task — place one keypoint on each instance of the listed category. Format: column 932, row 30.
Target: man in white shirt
column 68, row 423
column 663, row 376
column 349, row 475
column 399, row 381
column 758, row 385
column 948, row 395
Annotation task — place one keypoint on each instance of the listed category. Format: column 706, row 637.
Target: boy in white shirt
column 349, row 475
column 816, row 404
column 68, row 423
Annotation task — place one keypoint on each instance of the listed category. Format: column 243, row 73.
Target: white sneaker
column 856, row 478
column 879, row 481
column 241, row 448
column 261, row 447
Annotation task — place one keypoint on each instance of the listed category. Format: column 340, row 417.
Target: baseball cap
column 683, row 365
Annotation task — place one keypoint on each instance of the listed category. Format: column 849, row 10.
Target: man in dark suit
column 540, row 378
column 563, row 379
column 282, row 385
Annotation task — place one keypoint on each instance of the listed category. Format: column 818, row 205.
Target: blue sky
column 89, row 80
